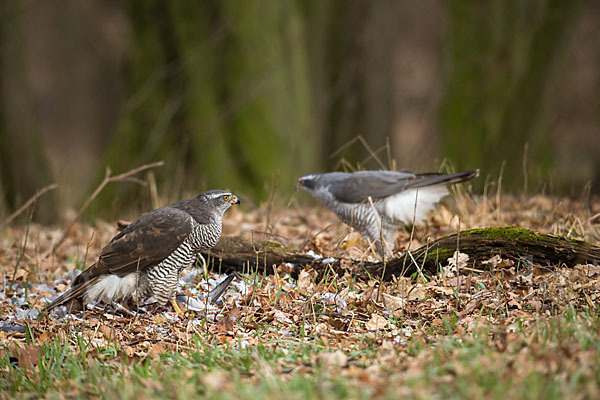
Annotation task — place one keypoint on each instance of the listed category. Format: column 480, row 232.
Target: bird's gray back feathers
column 356, row 187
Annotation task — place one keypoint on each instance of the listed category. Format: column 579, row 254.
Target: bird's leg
column 176, row 307
column 376, row 243
column 351, row 242
column 203, row 263
column 387, row 243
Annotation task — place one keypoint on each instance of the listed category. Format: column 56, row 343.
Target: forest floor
column 526, row 331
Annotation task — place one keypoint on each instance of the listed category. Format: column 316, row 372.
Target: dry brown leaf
column 493, row 262
column 417, row 293
column 157, row 349
column 107, row 331
column 215, row 380
column 334, row 359
column 227, row 322
column 27, row 356
column 159, row 319
column 152, row 384
column 321, row 328
column 377, row 322
column 458, row 260
column 393, row 303
column 448, row 291
column 21, row 275
column 305, row 281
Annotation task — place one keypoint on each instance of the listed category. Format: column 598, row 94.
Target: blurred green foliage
column 501, row 55
column 247, row 95
column 220, row 91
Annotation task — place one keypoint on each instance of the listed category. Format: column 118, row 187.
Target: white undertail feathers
column 401, row 206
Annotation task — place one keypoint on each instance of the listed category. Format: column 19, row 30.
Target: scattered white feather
column 195, row 304
column 189, row 275
column 27, row 314
column 314, row 255
column 112, row 288
column 281, row 317
column 241, row 286
column 334, row 298
column 401, row 206
column 242, row 344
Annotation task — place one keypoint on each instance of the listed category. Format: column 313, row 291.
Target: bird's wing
column 431, row 179
column 145, row 242
column 356, row 187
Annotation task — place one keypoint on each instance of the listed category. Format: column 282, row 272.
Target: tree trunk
column 23, row 165
column 502, row 58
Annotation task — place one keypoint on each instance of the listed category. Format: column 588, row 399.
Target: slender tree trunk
column 501, row 59
column 23, row 166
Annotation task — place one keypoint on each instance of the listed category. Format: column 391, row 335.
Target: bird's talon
column 176, row 308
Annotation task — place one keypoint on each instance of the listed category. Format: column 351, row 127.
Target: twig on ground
column 22, row 254
column 273, row 186
column 498, row 192
column 124, row 177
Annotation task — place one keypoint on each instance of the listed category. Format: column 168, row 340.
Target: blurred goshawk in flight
column 147, row 256
column 392, row 194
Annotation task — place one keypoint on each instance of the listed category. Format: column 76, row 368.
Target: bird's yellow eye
column 226, row 197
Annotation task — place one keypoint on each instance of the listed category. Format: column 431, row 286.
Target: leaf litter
column 338, row 314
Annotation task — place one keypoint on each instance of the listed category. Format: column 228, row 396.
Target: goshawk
column 376, row 202
column 146, row 258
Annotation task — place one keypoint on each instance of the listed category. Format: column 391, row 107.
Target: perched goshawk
column 392, row 194
column 147, row 256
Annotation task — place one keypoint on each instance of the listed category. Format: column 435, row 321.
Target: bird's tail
column 74, row 292
column 431, row 179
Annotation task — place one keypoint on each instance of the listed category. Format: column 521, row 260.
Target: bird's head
column 219, row 200
column 308, row 182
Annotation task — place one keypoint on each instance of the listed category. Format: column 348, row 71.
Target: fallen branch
column 22, row 253
column 27, row 204
column 124, row 177
column 241, row 254
column 520, row 245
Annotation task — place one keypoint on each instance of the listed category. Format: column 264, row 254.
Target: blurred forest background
column 249, row 95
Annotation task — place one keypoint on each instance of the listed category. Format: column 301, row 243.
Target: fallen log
column 518, row 244
column 236, row 253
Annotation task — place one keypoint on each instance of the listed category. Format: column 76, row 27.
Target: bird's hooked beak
column 234, row 200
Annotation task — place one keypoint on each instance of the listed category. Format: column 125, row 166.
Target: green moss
column 513, row 232
column 275, row 245
column 508, row 232
column 440, row 254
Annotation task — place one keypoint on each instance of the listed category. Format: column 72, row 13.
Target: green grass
column 549, row 358
column 61, row 370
